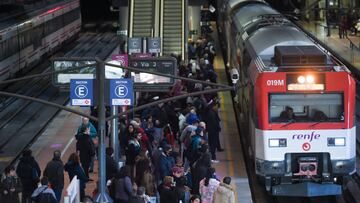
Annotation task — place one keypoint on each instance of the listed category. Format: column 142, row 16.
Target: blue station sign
column 81, row 92
column 121, row 92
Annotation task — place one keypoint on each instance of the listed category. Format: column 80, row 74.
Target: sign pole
column 114, row 134
column 102, row 196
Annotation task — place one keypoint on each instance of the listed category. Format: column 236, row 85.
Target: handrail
column 162, row 26
column 352, row 44
column 182, row 29
column 131, row 18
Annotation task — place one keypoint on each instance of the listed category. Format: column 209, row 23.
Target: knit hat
column 177, row 169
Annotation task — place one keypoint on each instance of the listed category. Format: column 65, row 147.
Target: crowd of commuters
column 169, row 149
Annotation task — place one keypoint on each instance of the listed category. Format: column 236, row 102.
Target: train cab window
column 285, row 108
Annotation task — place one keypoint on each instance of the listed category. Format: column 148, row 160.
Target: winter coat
column 74, row 169
column 10, row 182
column 86, row 148
column 55, row 172
column 168, row 194
column 212, row 121
column 29, row 172
column 224, row 194
column 123, row 188
column 133, row 149
column 207, row 192
column 198, row 174
column 166, row 163
column 111, row 167
column 93, row 132
column 44, row 194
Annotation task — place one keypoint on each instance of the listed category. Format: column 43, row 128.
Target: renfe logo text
column 310, row 137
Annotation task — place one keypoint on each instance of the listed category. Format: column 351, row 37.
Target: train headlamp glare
column 336, row 141
column 310, row 79
column 277, row 142
column 301, row 79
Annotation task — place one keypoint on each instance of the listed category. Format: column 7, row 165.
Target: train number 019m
column 275, row 83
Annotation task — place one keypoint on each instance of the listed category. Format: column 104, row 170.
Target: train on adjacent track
column 297, row 99
column 23, row 44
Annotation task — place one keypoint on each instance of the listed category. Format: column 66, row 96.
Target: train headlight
column 277, row 142
column 310, row 79
column 336, row 141
column 301, row 79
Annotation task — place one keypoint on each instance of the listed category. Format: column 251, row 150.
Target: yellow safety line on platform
column 224, row 117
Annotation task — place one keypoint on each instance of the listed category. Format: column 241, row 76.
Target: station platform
column 60, row 135
column 348, row 48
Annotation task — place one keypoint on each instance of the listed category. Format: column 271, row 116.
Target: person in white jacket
column 224, row 193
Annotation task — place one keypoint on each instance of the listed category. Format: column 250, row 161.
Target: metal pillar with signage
column 102, row 196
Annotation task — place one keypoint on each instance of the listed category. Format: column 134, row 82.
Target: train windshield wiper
column 315, row 123
column 291, row 121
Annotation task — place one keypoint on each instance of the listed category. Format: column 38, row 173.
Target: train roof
column 251, row 12
column 264, row 40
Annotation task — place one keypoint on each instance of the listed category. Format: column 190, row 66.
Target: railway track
column 22, row 121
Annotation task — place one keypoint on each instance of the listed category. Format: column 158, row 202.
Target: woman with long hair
column 74, row 169
column 208, row 186
column 123, row 185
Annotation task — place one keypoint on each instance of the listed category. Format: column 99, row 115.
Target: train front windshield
column 310, row 107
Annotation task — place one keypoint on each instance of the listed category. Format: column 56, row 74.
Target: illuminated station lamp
column 305, row 82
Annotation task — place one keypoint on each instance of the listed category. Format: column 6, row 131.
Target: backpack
column 37, row 198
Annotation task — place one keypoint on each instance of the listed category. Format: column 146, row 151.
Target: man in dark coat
column 166, row 162
column 28, row 171
column 212, row 121
column 54, row 171
column 86, row 148
column 111, row 165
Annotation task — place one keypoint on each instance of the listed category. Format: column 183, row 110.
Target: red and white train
column 25, row 43
column 297, row 99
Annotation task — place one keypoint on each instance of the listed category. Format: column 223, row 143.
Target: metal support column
column 114, row 133
column 102, row 196
column 327, row 18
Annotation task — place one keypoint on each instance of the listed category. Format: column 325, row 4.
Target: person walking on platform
column 10, row 186
column 44, row 193
column 28, row 171
column 54, row 171
column 343, row 27
column 86, row 149
column 212, row 121
column 74, row 169
column 224, row 193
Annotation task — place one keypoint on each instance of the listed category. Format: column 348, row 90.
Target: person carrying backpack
column 28, row 171
column 44, row 193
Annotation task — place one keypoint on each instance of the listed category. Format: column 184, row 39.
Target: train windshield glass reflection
column 285, row 108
